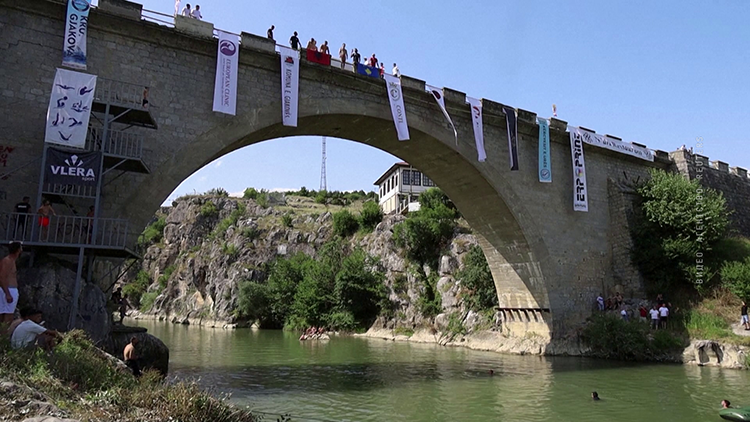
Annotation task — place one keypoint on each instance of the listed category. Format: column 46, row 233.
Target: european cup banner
column 396, row 98
column 476, row 120
column 225, row 84
column 289, row 85
column 69, row 108
column 606, row 142
column 70, row 168
column 580, row 195
column 437, row 94
column 76, row 26
column 545, row 159
column 511, row 124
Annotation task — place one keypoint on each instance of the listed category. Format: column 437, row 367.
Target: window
column 405, row 177
column 395, row 180
column 426, row 181
column 416, row 178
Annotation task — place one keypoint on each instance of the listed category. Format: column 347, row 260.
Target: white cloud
column 219, row 163
column 239, row 194
column 282, row 190
column 203, row 178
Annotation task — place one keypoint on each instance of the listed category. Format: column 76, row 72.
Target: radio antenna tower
column 323, row 184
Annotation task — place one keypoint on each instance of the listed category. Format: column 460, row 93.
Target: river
column 359, row 379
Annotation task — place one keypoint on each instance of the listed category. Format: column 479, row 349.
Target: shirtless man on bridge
column 9, row 284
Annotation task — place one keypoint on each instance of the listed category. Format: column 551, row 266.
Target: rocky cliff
column 211, row 244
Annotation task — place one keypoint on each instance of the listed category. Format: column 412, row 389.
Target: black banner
column 71, row 168
column 510, row 122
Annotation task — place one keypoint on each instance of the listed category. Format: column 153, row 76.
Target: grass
column 82, row 380
column 712, row 319
column 403, row 331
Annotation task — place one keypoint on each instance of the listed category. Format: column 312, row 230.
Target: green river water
column 358, row 379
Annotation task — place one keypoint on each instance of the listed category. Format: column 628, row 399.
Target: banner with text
column 393, row 86
column 76, row 27
column 476, row 119
column 437, row 94
column 225, row 85
column 69, row 108
column 580, row 195
column 545, row 159
column 606, row 142
column 69, row 168
column 289, row 85
column 511, row 124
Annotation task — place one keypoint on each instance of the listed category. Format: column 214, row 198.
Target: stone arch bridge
column 548, row 262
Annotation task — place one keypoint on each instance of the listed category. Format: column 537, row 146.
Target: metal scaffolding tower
column 323, row 183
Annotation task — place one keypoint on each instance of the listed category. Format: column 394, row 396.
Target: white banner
column 70, row 108
column 580, row 195
column 603, row 141
column 437, row 94
column 289, row 85
column 76, row 27
column 225, row 86
column 393, row 86
column 476, row 118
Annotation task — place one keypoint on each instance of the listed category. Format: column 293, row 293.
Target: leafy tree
column 345, row 223
column 250, row 193
column 154, row 232
column 254, row 303
column 476, row 278
column 370, row 216
column 218, row 192
column 321, row 197
column 358, row 289
column 208, row 209
column 736, row 277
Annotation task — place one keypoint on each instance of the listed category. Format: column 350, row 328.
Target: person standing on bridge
column 186, row 11
column 355, row 59
column 176, row 7
column 343, row 55
column 270, row 33
column 294, row 41
column 197, row 12
column 9, row 284
column 396, row 71
column 324, row 48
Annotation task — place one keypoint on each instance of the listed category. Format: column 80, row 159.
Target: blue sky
column 659, row 73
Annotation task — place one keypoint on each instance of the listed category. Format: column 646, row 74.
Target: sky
column 659, row 73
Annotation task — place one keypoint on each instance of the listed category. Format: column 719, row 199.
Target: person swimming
column 725, row 404
column 595, row 396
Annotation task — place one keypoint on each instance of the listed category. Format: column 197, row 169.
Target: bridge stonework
column 549, row 262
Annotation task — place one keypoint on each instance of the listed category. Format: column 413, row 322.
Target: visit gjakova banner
column 511, row 122
column 437, row 94
column 476, row 120
column 545, row 159
column 289, row 85
column 76, row 27
column 580, row 195
column 225, row 85
column 606, row 142
column 395, row 96
column 69, row 108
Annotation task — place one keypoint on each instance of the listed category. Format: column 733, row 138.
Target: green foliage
column 370, row 216
column 403, row 331
column 262, row 199
column 430, row 301
column 344, row 223
column 321, row 197
column 286, row 220
column 456, row 325
column 736, row 277
column 677, row 225
column 147, row 301
column 426, row 232
column 254, row 302
column 230, row 221
column 251, row 233
column 218, row 192
column 230, row 250
column 611, row 337
column 154, row 232
column 706, row 325
column 208, row 209
column 476, row 278
column 164, row 278
column 134, row 290
column 250, row 193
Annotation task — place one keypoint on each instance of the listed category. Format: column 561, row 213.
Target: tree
column 344, row 223
column 476, row 278
column 736, row 277
column 370, row 216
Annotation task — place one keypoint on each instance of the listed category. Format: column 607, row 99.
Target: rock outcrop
column 152, row 352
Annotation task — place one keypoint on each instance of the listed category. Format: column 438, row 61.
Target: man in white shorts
column 654, row 317
column 9, row 284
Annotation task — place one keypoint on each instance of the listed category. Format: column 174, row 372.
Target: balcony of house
column 122, row 102
column 66, row 234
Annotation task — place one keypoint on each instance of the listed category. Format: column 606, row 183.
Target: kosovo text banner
column 318, row 57
column 437, row 94
column 289, row 85
column 76, row 27
column 511, row 124
column 225, row 85
column 604, row 141
column 368, row 70
column 476, row 119
column 69, row 108
column 545, row 159
column 580, row 195
column 70, row 168
column 395, row 96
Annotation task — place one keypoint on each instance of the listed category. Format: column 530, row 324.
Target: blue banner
column 76, row 26
column 368, row 70
column 545, row 160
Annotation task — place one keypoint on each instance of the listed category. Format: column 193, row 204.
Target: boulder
column 153, row 353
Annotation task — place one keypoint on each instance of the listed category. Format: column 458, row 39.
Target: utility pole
column 323, row 184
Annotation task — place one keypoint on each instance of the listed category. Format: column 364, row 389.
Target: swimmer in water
column 595, row 396
column 725, row 404
column 492, row 372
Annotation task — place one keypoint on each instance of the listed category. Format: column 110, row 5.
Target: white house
column 399, row 188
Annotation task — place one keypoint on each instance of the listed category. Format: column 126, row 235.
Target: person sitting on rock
column 30, row 332
column 131, row 358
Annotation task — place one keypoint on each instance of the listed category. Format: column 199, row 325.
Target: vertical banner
column 511, row 124
column 393, row 86
column 65, row 168
column 437, row 94
column 580, row 196
column 289, row 85
column 476, row 119
column 225, row 85
column 545, row 159
column 70, row 108
column 76, row 26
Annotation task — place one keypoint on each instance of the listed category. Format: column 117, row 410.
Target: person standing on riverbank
column 743, row 313
column 663, row 316
column 9, row 284
column 131, row 359
column 654, row 317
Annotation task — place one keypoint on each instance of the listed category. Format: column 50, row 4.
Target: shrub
column 230, row 221
column 154, row 232
column 736, row 277
column 370, row 216
column 208, row 209
column 341, row 321
column 254, row 302
column 262, row 199
column 286, row 220
column 611, row 337
column 230, row 250
column 476, row 278
column 147, row 301
column 430, row 301
column 164, row 278
column 456, row 325
column 321, row 197
column 251, row 233
column 134, row 290
column 250, row 193
column 218, row 192
column 344, row 223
